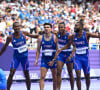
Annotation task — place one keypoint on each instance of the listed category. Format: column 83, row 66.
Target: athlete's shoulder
column 55, row 36
column 40, row 37
column 88, row 34
column 55, row 32
column 72, row 36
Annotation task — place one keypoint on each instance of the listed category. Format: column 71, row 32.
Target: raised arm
column 31, row 35
column 38, row 49
column 55, row 32
column 8, row 40
column 56, row 42
column 94, row 35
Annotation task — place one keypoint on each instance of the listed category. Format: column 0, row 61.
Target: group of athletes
column 56, row 51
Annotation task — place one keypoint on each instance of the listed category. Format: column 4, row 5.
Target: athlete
column 20, row 54
column 80, row 41
column 63, row 39
column 3, row 81
column 48, row 42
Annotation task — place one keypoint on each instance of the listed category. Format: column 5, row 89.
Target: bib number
column 81, row 51
column 22, row 49
column 60, row 46
column 47, row 53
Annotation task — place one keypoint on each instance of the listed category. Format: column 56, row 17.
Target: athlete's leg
column 59, row 71
column 70, row 72
column 9, row 81
column 54, row 75
column 78, row 79
column 86, row 69
column 14, row 64
column 87, row 77
column 78, row 66
column 28, row 81
column 25, row 66
column 43, row 74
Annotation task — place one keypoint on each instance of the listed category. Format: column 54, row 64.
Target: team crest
column 14, row 40
column 75, row 38
column 42, row 42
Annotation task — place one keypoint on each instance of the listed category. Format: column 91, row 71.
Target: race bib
column 47, row 53
column 60, row 46
column 81, row 50
column 22, row 49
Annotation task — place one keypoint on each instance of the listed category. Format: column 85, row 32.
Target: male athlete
column 63, row 39
column 20, row 54
column 80, row 42
column 48, row 42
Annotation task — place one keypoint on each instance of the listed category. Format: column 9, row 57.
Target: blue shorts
column 44, row 63
column 82, row 61
column 3, row 85
column 24, row 63
column 63, row 57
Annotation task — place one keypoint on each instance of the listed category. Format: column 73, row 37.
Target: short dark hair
column 81, row 23
column 62, row 23
column 14, row 24
column 48, row 24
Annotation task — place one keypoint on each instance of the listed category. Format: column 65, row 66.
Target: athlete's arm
column 74, row 47
column 73, row 51
column 31, row 35
column 65, row 47
column 41, row 32
column 8, row 40
column 38, row 49
column 56, row 33
column 56, row 42
column 93, row 35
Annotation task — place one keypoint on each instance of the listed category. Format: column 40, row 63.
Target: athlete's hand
column 58, row 51
column 36, row 62
column 68, row 59
column 51, row 63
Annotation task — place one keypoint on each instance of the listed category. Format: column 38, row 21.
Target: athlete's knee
column 58, row 73
column 71, row 74
column 55, row 78
column 26, row 73
column 87, row 76
column 42, row 77
column 12, row 73
column 78, row 76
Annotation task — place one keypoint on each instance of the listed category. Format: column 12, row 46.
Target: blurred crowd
column 32, row 15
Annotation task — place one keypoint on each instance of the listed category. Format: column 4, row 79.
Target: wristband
column 36, row 61
column 54, row 60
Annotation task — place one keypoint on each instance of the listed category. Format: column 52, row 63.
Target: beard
column 17, row 30
column 61, row 31
column 76, row 30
